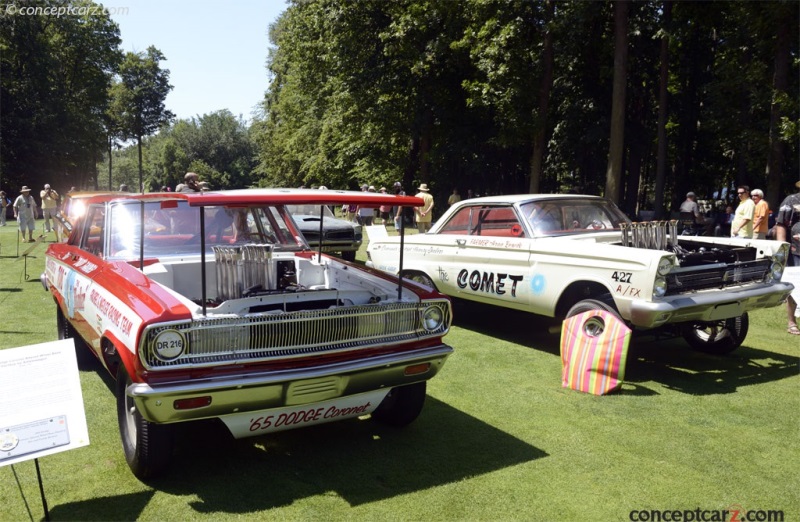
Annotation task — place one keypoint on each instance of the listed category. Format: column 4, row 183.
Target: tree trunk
column 617, row 139
column 540, row 134
column 780, row 86
column 663, row 81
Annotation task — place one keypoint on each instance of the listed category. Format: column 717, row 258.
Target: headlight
column 432, row 318
column 664, row 266
column 660, row 287
column 780, row 255
column 776, row 271
column 169, row 345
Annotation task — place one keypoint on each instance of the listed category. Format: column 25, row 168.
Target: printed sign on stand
column 41, row 404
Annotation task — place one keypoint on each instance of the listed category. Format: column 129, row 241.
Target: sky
column 216, row 52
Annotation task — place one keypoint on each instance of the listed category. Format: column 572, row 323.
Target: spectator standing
column 365, row 214
column 49, row 207
column 4, row 203
column 724, row 221
column 454, row 198
column 384, row 210
column 787, row 228
column 760, row 215
column 25, row 211
column 424, row 214
column 398, row 211
column 742, row 225
column 690, row 206
column 191, row 183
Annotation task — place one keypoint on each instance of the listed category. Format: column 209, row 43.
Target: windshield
column 173, row 228
column 305, row 211
column 567, row 216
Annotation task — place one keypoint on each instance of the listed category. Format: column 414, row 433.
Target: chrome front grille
column 720, row 275
column 274, row 336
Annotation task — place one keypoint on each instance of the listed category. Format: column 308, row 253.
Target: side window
column 458, row 223
column 497, row 222
column 93, row 230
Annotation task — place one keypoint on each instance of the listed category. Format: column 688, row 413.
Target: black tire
column 350, row 255
column 147, row 446
column 402, row 405
column 419, row 277
column 717, row 337
column 604, row 302
column 66, row 331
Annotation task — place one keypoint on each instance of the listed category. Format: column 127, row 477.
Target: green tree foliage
column 218, row 146
column 458, row 94
column 138, row 98
column 55, row 72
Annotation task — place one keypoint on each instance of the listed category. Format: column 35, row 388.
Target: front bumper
column 708, row 305
column 277, row 389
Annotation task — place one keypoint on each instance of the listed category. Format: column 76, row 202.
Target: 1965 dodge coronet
column 561, row 255
column 224, row 312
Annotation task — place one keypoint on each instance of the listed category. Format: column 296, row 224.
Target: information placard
column 41, row 405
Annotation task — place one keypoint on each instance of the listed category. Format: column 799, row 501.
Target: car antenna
column 321, row 219
column 402, row 249
column 203, row 255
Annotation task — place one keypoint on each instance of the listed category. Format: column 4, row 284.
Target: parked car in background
column 561, row 255
column 213, row 306
column 338, row 235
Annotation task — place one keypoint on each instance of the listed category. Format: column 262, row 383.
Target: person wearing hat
column 365, row 214
column 787, row 228
column 4, row 203
column 191, row 183
column 424, row 214
column 25, row 211
column 49, row 207
column 690, row 210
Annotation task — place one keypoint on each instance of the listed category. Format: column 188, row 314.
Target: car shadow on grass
column 664, row 359
column 674, row 366
column 360, row 461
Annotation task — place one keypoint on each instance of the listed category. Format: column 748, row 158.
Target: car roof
column 521, row 198
column 245, row 197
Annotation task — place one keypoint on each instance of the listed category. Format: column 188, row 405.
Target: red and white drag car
column 212, row 305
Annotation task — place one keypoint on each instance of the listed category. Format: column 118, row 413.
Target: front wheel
column 419, row 277
column 147, row 446
column 603, row 303
column 717, row 337
column 402, row 405
column 349, row 255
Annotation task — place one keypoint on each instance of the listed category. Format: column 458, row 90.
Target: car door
column 489, row 259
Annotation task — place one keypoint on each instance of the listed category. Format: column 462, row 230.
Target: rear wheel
column 402, row 405
column 147, row 446
column 717, row 337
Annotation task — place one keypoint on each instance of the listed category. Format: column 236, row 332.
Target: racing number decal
column 622, row 277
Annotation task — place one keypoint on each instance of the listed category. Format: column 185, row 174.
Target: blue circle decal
column 537, row 284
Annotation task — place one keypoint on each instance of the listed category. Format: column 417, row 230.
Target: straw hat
column 24, row 189
column 424, row 187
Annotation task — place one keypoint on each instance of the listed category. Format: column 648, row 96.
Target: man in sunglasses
column 742, row 225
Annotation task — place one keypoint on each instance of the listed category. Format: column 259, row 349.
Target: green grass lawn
column 499, row 438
